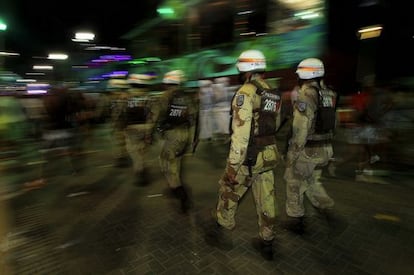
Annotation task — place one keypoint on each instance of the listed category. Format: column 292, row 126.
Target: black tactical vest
column 178, row 110
column 269, row 106
column 326, row 113
column 270, row 101
column 137, row 110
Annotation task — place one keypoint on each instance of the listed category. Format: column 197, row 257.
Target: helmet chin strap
column 249, row 76
column 255, row 75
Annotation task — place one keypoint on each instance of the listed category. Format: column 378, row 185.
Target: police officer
column 253, row 156
column 118, row 89
column 177, row 124
column 135, row 113
column 310, row 145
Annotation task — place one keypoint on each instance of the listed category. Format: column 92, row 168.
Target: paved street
column 98, row 222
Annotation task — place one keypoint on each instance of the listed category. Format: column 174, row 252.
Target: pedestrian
column 252, row 157
column 371, row 105
column 310, row 146
column 177, row 122
column 60, row 133
column 221, row 108
column 206, row 106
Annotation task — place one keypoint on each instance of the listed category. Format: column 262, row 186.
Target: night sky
column 38, row 27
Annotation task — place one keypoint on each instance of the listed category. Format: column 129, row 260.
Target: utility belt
column 320, row 137
column 173, row 125
column 253, row 150
column 264, row 141
column 132, row 122
column 317, row 143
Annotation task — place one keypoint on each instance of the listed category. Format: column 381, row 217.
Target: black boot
column 123, row 162
column 264, row 247
column 336, row 224
column 141, row 178
column 182, row 195
column 295, row 225
column 219, row 237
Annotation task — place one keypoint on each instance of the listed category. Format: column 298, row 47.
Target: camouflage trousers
column 262, row 186
column 303, row 178
column 175, row 145
column 119, row 140
column 137, row 149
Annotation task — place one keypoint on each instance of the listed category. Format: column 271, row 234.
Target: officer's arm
column 193, row 125
column 280, row 119
column 157, row 107
column 303, row 116
column 118, row 112
column 242, row 116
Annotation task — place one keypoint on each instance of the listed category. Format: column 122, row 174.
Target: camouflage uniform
column 238, row 177
column 178, row 127
column 117, row 122
column 308, row 151
column 134, row 115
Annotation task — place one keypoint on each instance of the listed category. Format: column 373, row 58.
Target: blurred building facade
column 190, row 27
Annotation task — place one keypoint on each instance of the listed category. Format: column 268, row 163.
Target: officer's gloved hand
column 148, row 139
column 283, row 158
column 291, row 157
column 229, row 176
column 160, row 131
column 293, row 154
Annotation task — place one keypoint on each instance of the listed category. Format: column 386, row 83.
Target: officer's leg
column 219, row 233
column 264, row 196
column 139, row 160
column 121, row 154
column 317, row 194
column 294, row 194
column 295, row 210
column 170, row 165
column 134, row 149
column 165, row 160
column 170, row 162
column 179, row 190
column 228, row 201
column 325, row 204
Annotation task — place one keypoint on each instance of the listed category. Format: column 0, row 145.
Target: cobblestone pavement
column 99, row 222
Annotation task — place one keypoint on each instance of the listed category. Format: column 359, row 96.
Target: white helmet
column 310, row 68
column 205, row 83
column 250, row 61
column 175, row 77
column 140, row 79
column 117, row 84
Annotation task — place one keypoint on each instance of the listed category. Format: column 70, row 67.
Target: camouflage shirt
column 244, row 104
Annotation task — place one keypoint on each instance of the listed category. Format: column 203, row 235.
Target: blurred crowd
column 375, row 127
column 60, row 123
column 374, row 123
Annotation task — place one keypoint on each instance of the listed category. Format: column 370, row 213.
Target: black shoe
column 185, row 202
column 295, row 225
column 336, row 224
column 265, row 248
column 123, row 162
column 186, row 205
column 219, row 237
column 141, row 178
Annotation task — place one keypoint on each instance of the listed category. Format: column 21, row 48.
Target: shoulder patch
column 301, row 106
column 239, row 100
